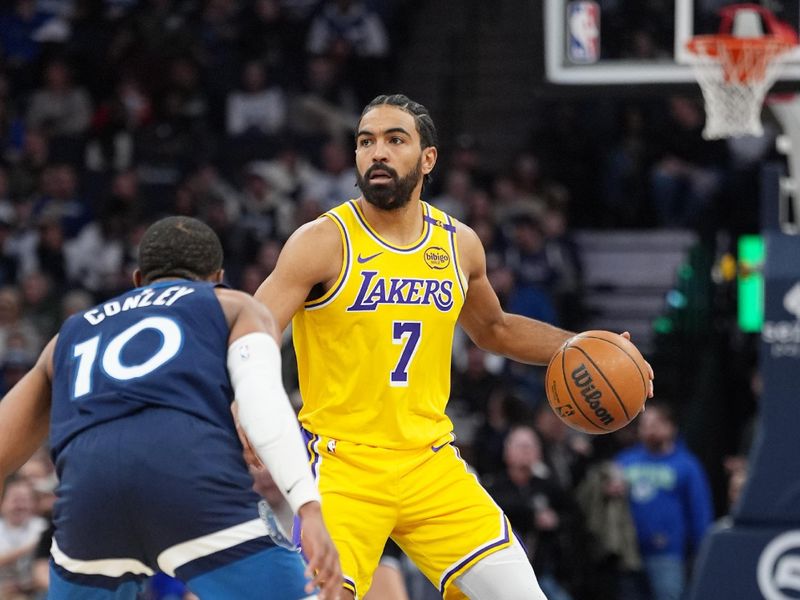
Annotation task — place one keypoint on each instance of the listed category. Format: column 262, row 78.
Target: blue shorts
column 161, row 490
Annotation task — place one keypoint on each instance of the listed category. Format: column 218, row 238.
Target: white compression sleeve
column 265, row 414
column 504, row 575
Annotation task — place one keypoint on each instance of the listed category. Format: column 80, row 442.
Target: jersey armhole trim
column 331, row 294
column 463, row 283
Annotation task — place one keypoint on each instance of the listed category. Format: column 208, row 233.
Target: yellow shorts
column 425, row 500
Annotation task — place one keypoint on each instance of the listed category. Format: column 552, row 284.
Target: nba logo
column 583, row 24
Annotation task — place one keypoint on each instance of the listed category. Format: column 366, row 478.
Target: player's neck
column 401, row 227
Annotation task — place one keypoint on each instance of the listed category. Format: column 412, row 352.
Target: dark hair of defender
column 180, row 247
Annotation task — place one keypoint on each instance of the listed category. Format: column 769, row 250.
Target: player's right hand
column 323, row 567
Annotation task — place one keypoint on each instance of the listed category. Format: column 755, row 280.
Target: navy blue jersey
column 162, row 345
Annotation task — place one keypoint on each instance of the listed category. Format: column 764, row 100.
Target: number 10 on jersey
column 408, row 334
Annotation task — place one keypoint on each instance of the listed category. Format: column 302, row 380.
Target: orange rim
column 707, row 45
column 735, row 52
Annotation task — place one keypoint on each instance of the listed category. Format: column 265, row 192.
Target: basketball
column 597, row 382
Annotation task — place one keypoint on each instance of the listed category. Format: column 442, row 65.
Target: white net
column 734, row 77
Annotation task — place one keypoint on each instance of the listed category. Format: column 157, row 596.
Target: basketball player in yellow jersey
column 375, row 288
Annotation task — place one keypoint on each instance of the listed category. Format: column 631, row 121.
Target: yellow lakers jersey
column 373, row 353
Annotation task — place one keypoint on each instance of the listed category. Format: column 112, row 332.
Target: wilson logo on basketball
column 436, row 258
column 592, row 396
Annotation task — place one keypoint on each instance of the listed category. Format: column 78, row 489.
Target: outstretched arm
column 488, row 325
column 272, row 432
column 25, row 415
column 311, row 257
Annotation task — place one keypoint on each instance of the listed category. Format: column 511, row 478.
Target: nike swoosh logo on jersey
column 437, row 448
column 363, row 259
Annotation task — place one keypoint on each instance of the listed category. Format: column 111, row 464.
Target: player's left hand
column 250, row 457
column 650, row 389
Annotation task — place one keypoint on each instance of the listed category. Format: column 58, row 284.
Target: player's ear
column 137, row 278
column 429, row 156
column 218, row 276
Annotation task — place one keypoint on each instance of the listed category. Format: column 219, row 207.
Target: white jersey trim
column 109, row 567
column 178, row 555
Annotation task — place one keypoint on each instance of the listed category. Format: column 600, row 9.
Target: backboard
column 619, row 42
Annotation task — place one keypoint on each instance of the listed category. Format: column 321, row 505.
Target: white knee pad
column 505, row 575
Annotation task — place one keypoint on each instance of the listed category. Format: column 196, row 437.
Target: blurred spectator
column 528, row 257
column 325, row 105
column 186, row 90
column 156, row 29
column 565, row 451
column 564, row 254
column 19, row 22
column 16, row 332
column 455, row 197
column 535, row 505
column 114, row 124
column 168, row 145
column 466, row 156
column 13, row 367
column 94, row 260
column 670, row 501
column 626, row 164
column 266, row 36
column 20, row 529
column 75, row 301
column 12, row 124
column 266, row 212
column 290, row 171
column 60, row 200
column 308, row 210
column 259, row 107
column 473, row 382
column 217, row 51
column 252, row 278
column 503, row 410
column 8, row 262
column 355, row 37
column 337, row 181
column 40, row 301
column 26, row 170
column 346, row 28
column 611, row 544
column 689, row 172
column 60, row 108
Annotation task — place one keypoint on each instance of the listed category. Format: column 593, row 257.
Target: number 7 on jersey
column 407, row 333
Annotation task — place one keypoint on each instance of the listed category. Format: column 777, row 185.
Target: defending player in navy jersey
column 138, row 394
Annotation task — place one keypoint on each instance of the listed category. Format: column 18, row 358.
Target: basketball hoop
column 735, row 70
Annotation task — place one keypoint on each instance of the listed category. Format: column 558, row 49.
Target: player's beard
column 393, row 195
